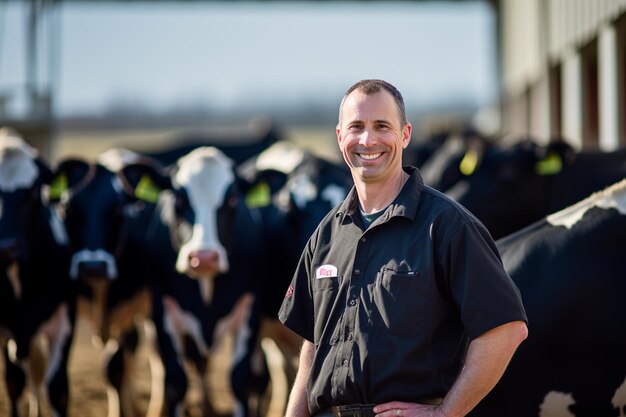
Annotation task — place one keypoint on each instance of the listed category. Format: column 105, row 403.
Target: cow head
column 99, row 203
column 205, row 209
column 22, row 179
column 508, row 189
column 313, row 188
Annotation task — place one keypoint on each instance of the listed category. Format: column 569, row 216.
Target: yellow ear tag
column 58, row 186
column 147, row 190
column 468, row 163
column 259, row 196
column 550, row 165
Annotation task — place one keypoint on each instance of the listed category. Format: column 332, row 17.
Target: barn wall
column 578, row 44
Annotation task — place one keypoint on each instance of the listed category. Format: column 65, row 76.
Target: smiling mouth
column 370, row 156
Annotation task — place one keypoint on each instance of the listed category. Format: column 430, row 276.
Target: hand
column 402, row 409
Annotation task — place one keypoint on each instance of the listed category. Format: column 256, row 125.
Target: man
column 400, row 294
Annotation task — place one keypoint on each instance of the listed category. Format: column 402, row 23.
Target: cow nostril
column 92, row 269
column 203, row 258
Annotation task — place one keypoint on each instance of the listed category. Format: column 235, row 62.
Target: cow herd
column 206, row 246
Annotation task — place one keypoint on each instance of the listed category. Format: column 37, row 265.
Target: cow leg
column 114, row 364
column 120, row 373
column 250, row 375
column 281, row 348
column 176, row 382
column 56, row 376
column 15, row 377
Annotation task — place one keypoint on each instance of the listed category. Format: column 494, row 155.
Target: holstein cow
column 571, row 272
column 291, row 190
column 516, row 185
column 190, row 258
column 107, row 208
column 220, row 246
column 35, row 314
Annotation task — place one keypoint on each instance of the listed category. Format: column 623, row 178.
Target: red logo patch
column 290, row 291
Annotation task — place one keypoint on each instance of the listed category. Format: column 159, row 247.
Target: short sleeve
column 296, row 311
column 484, row 293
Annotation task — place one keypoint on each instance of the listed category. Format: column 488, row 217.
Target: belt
column 354, row 410
column 366, row 410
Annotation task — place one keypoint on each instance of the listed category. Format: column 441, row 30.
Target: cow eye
column 181, row 201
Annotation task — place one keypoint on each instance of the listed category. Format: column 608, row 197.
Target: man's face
column 370, row 136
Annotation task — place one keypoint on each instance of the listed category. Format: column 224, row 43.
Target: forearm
column 298, row 403
column 487, row 358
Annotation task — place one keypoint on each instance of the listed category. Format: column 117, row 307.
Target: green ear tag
column 58, row 186
column 550, row 165
column 147, row 190
column 258, row 196
column 469, row 163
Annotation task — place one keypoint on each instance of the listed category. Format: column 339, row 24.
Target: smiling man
column 400, row 294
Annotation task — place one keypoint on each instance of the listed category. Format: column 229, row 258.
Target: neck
column 376, row 196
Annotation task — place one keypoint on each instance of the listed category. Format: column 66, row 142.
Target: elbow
column 519, row 331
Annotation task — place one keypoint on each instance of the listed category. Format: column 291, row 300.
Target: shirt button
column 352, row 302
column 345, row 362
column 363, row 239
column 357, row 271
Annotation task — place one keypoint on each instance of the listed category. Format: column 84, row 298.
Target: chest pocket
column 325, row 292
column 399, row 302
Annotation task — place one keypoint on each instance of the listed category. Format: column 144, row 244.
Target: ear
column 406, row 135
column 339, row 136
column 69, row 174
column 144, row 181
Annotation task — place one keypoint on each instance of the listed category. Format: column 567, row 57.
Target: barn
column 563, row 70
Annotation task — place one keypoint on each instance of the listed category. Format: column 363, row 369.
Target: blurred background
column 75, row 74
column 79, row 76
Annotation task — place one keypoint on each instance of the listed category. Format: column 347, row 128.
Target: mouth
column 370, row 156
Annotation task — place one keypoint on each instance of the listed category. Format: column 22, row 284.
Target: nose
column 92, row 269
column 204, row 262
column 367, row 137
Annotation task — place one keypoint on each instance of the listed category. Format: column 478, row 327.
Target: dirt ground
column 88, row 396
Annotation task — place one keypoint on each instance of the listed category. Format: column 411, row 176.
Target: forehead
column 376, row 106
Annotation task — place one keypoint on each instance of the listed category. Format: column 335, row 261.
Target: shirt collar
column 404, row 205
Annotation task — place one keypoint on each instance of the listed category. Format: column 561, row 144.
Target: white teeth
column 370, row 155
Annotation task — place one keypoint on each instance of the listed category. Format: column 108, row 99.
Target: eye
column 181, row 202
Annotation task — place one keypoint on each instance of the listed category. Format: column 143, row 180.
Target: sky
column 231, row 55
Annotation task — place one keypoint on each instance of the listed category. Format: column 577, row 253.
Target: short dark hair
column 372, row 86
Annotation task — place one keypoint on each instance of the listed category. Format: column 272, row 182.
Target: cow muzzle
column 97, row 264
column 204, row 263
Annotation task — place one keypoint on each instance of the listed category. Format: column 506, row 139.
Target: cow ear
column 551, row 159
column 69, row 174
column 144, row 182
column 259, row 195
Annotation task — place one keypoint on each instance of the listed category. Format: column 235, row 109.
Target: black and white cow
column 571, row 271
column 107, row 208
column 516, row 185
column 35, row 288
column 220, row 247
column 192, row 258
column 290, row 190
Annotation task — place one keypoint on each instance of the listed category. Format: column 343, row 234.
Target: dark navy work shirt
column 392, row 307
